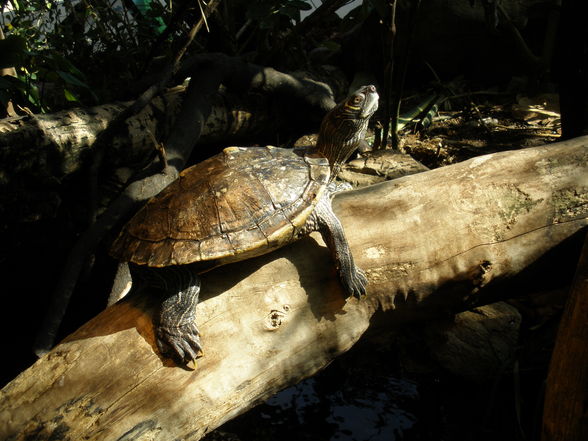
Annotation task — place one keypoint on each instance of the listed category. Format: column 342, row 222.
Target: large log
column 431, row 242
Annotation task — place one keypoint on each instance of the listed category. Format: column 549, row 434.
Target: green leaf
column 70, row 96
column 32, row 94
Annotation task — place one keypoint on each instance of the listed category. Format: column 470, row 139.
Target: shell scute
column 213, row 247
column 247, row 239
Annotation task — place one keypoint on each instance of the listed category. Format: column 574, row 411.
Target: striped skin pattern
column 344, row 127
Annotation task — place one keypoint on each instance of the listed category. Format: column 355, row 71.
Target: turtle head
column 345, row 125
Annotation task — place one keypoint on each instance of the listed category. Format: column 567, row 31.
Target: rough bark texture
column 565, row 416
column 379, row 166
column 70, row 133
column 431, row 242
column 477, row 344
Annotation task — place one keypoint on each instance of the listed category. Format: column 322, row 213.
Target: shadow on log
column 430, row 243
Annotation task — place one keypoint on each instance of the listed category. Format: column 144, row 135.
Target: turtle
column 238, row 204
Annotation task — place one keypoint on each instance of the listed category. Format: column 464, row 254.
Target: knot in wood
column 275, row 318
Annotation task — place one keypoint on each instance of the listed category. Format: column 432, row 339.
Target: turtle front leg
column 326, row 222
column 176, row 331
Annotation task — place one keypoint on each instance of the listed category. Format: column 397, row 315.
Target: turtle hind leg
column 326, row 222
column 175, row 325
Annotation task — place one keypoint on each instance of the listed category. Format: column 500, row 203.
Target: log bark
column 565, row 416
column 430, row 243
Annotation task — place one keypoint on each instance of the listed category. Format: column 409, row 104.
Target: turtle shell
column 243, row 202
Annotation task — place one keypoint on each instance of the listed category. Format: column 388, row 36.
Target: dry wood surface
column 430, row 243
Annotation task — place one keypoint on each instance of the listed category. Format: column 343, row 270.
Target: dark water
column 388, row 389
column 359, row 397
column 372, row 412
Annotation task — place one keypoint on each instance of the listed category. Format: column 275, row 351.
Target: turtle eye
column 357, row 99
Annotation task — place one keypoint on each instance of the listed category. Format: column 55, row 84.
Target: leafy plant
column 75, row 51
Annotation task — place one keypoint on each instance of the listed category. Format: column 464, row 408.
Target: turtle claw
column 355, row 282
column 180, row 342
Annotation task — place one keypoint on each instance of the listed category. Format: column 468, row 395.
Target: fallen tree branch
column 430, row 243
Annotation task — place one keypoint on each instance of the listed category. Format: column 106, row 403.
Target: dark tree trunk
column 565, row 415
column 571, row 67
